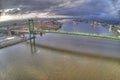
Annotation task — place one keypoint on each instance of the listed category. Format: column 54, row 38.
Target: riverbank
column 11, row 40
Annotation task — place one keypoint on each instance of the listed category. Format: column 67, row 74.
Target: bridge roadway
column 70, row 33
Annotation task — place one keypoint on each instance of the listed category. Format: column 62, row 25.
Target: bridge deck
column 77, row 34
column 70, row 33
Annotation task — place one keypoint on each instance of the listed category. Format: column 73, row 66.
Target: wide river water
column 63, row 57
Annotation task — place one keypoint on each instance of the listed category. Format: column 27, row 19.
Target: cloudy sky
column 27, row 8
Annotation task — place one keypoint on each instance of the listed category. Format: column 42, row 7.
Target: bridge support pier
column 31, row 30
column 8, row 31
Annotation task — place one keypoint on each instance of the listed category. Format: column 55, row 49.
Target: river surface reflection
column 62, row 57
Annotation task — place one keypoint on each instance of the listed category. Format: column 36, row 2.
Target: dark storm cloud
column 63, row 7
column 34, row 4
column 28, row 5
column 91, row 7
column 0, row 7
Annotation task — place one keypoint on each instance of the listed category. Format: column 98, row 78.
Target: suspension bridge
column 32, row 32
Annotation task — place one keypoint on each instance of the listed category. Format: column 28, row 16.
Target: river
column 63, row 57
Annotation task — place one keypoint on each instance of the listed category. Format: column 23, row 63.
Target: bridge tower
column 31, row 28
